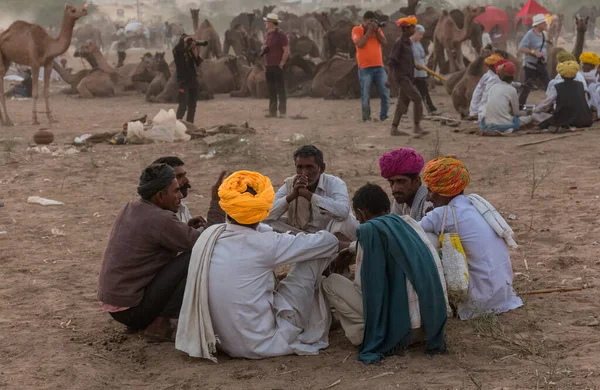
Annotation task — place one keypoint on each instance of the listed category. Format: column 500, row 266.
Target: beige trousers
column 346, row 298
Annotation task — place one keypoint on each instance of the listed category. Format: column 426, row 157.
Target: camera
column 263, row 50
column 379, row 23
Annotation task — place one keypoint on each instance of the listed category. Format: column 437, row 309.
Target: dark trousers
column 162, row 297
column 533, row 75
column 408, row 93
column 276, row 85
column 421, row 84
column 187, row 98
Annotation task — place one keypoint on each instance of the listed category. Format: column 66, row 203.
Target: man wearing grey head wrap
column 142, row 279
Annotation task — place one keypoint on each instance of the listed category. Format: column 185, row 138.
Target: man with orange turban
column 402, row 67
column 232, row 272
column 476, row 103
column 484, row 242
column 502, row 112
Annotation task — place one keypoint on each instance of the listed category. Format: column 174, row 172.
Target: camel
column 448, row 37
column 254, row 84
column 303, row 45
column 338, row 39
column 555, row 28
column 253, row 22
column 581, row 27
column 68, row 77
column 159, row 82
column 333, row 78
column 592, row 13
column 206, row 32
column 312, row 26
column 410, row 9
column 463, row 91
column 88, row 32
column 29, row 44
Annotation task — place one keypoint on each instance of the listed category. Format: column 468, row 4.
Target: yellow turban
column 446, row 176
column 589, row 58
column 407, row 21
column 493, row 59
column 564, row 56
column 245, row 208
column 568, row 70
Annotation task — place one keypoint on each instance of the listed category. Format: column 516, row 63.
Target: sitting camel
column 303, row 46
column 206, row 32
column 29, row 44
column 448, row 38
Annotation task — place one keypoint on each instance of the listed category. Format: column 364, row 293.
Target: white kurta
column 593, row 79
column 252, row 317
column 475, row 106
column 329, row 202
column 490, row 269
column 183, row 214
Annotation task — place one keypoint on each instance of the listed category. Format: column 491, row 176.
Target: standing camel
column 29, row 44
column 448, row 37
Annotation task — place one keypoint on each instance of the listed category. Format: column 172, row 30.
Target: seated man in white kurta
column 490, row 269
column 252, row 316
column 312, row 200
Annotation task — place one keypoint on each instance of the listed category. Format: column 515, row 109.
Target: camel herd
column 322, row 62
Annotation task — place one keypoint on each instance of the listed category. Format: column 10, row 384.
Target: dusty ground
column 52, row 333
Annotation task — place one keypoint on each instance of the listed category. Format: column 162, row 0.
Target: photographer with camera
column 276, row 51
column 187, row 59
column 534, row 50
column 368, row 39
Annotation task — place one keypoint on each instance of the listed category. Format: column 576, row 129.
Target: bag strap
column 543, row 41
column 444, row 219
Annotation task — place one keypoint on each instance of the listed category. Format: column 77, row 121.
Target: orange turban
column 407, row 21
column 242, row 206
column 446, row 176
column 493, row 59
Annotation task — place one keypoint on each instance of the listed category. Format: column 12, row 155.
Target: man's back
column 242, row 285
column 370, row 55
column 499, row 108
column 143, row 239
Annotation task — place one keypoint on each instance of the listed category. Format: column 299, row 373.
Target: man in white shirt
column 589, row 69
column 402, row 169
column 476, row 101
column 252, row 316
column 312, row 200
column 502, row 112
column 183, row 214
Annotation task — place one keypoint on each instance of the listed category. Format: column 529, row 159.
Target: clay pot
column 43, row 137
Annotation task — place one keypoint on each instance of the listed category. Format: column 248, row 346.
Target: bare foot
column 395, row 132
column 419, row 132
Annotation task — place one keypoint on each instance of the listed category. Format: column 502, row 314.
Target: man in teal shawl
column 390, row 252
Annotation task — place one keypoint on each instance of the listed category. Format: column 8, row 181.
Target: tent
column 494, row 16
column 529, row 10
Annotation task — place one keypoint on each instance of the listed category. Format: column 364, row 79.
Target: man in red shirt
column 276, row 51
column 368, row 39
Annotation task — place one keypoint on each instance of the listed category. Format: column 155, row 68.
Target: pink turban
column 401, row 162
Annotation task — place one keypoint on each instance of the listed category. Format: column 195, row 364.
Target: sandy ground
column 52, row 333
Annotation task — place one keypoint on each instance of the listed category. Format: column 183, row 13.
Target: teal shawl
column 392, row 252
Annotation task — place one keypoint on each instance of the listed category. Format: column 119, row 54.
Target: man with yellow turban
column 253, row 316
column 572, row 106
column 548, row 104
column 590, row 62
column 483, row 239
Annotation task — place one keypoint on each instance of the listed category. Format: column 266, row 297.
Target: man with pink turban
column 402, row 169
